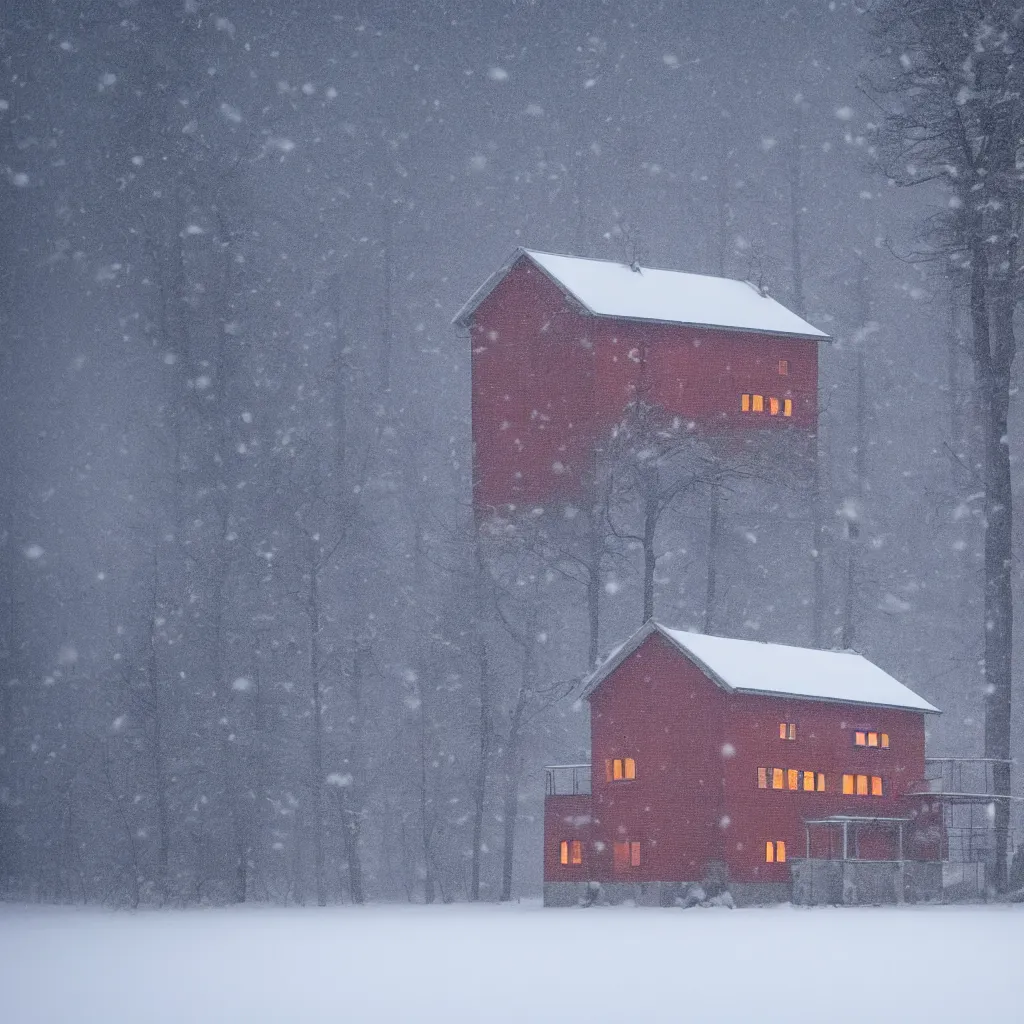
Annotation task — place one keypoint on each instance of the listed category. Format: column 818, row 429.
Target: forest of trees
column 253, row 643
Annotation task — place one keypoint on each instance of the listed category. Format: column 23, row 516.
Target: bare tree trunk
column 513, row 756
column 316, row 761
column 595, row 580
column 483, row 763
column 651, row 513
column 714, row 542
column 351, row 802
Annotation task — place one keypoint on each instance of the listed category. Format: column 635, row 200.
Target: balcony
column 567, row 780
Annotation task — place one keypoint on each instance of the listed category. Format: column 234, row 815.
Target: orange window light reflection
column 872, row 739
column 769, row 852
column 778, row 781
column 809, row 782
column 629, row 769
column 780, row 852
column 787, row 407
column 885, row 741
column 564, row 852
column 847, row 784
column 862, row 785
column 773, row 406
column 757, row 403
column 744, row 403
column 860, row 739
column 782, row 730
column 794, row 778
column 876, row 785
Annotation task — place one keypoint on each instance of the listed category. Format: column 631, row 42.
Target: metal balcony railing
column 567, row 780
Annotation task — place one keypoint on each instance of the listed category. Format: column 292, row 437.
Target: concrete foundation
column 657, row 894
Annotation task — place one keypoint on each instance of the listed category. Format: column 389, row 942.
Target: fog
column 249, row 647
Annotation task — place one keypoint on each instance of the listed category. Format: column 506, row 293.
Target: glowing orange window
column 847, row 785
column 787, row 730
column 862, row 785
column 876, row 785
column 625, row 855
column 885, row 741
column 775, row 852
column 757, row 403
column 773, row 406
column 762, row 778
column 872, row 739
column 778, row 779
column 620, row 769
column 744, row 403
column 564, row 852
column 860, row 739
column 821, row 782
column 808, row 782
column 784, row 367
column 793, row 778
column 787, row 407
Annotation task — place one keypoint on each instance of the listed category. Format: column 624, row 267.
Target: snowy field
column 515, row 963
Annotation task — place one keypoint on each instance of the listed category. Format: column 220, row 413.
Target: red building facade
column 708, row 751
column 562, row 345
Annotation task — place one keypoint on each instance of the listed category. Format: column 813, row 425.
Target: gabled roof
column 608, row 289
column 777, row 670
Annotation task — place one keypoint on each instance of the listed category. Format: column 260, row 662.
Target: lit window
column 872, row 739
column 876, row 785
column 784, row 367
column 862, row 785
column 787, row 730
column 847, row 785
column 787, row 407
column 808, row 782
column 744, row 403
column 794, row 778
column 757, row 403
column 775, row 853
column 778, row 780
column 619, row 769
column 564, row 852
column 769, row 852
column 625, row 855
column 780, row 852
column 821, row 782
column 773, row 406
column 762, row 778
column 885, row 741
column 860, row 739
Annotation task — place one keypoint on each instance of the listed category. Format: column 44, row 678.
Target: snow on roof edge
column 619, row 654
column 462, row 317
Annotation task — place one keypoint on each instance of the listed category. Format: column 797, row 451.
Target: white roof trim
column 776, row 670
column 605, row 288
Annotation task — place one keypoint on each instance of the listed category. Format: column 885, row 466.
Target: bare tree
column 949, row 92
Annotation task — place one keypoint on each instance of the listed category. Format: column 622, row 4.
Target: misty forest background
column 252, row 646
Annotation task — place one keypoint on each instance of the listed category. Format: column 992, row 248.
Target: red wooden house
column 761, row 762
column 561, row 346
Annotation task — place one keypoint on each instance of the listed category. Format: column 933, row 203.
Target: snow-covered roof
column 606, row 288
column 750, row 666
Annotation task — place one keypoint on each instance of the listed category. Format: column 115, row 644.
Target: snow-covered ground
column 514, row 963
